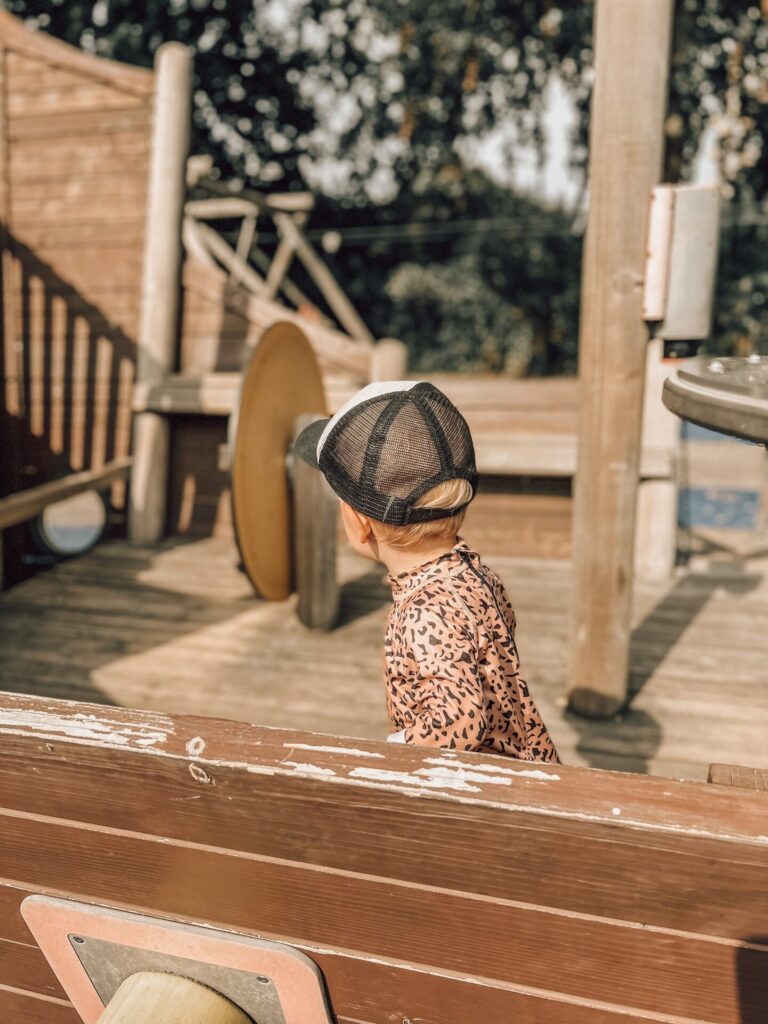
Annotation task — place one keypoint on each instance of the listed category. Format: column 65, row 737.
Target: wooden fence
column 74, row 150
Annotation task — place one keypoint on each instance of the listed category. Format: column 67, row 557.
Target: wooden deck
column 177, row 628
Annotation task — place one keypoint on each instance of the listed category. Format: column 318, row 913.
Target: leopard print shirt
column 453, row 674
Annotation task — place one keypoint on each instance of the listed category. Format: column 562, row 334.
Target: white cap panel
column 376, row 390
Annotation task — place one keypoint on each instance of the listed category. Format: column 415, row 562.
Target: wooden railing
column 18, row 508
column 248, row 264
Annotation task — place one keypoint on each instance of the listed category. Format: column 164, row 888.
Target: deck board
column 178, row 629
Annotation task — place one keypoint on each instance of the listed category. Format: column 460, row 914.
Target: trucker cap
column 387, row 446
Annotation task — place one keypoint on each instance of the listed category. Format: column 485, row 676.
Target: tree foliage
column 381, row 108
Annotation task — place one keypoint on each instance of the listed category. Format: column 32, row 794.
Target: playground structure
column 600, row 898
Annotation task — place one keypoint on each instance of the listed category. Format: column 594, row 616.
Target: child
column 400, row 456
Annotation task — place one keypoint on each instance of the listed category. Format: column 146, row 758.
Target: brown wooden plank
column 73, row 236
column 84, row 185
column 364, row 989
column 23, row 966
column 50, row 126
column 60, row 212
column 591, row 959
column 97, row 154
column 35, row 48
column 698, row 831
column 18, row 1005
column 28, row 100
column 18, row 508
column 738, row 775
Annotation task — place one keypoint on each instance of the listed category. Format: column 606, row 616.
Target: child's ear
column 357, row 525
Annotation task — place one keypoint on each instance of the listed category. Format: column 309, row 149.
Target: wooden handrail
column 18, row 508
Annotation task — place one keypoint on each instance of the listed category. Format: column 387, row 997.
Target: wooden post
column 161, row 288
column 389, row 360
column 632, row 42
column 168, row 999
column 656, row 533
column 343, row 309
column 315, row 528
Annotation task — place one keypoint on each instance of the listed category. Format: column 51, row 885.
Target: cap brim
column 305, row 445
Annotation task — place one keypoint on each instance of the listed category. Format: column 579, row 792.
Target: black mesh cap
column 390, row 444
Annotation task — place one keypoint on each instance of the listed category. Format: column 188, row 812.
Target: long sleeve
column 439, row 662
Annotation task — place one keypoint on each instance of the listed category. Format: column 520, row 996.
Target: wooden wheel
column 281, row 383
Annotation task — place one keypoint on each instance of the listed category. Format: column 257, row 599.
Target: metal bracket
column 92, row 950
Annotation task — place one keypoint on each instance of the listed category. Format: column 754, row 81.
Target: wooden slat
column 281, row 802
column 29, row 100
column 27, row 504
column 365, row 989
column 23, row 966
column 738, row 775
column 90, row 122
column 695, row 827
column 35, row 48
column 18, row 1005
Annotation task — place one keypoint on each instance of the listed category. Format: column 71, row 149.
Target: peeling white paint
column 456, row 772
column 349, row 751
column 196, row 746
column 309, row 769
column 105, row 732
column 413, row 779
column 150, row 736
column 493, row 769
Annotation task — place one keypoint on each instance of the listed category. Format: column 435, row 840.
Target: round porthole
column 74, row 525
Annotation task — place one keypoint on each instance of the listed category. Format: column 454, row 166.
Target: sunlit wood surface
column 177, row 628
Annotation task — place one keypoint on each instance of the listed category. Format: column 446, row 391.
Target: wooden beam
column 279, row 267
column 18, row 508
column 738, row 775
column 343, row 309
column 161, row 293
column 229, row 259
column 290, row 290
column 632, row 42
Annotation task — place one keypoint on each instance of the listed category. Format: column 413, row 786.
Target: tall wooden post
column 161, row 288
column 632, row 43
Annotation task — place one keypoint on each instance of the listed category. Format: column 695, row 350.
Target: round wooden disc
column 282, row 381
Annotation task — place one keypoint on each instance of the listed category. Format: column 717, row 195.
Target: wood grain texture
column 332, row 848
column 737, row 775
column 75, row 143
column 631, row 70
column 32, row 1008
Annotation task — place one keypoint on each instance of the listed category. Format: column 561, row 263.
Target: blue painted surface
column 693, row 432
column 724, row 507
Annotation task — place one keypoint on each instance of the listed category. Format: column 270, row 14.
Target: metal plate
column 108, row 964
column 728, row 395
column 282, row 381
column 93, row 949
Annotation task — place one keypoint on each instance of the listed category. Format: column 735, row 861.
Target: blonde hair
column 448, row 494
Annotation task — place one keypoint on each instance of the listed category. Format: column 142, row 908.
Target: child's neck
column 399, row 560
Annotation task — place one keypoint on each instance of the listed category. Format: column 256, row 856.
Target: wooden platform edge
column 738, row 775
